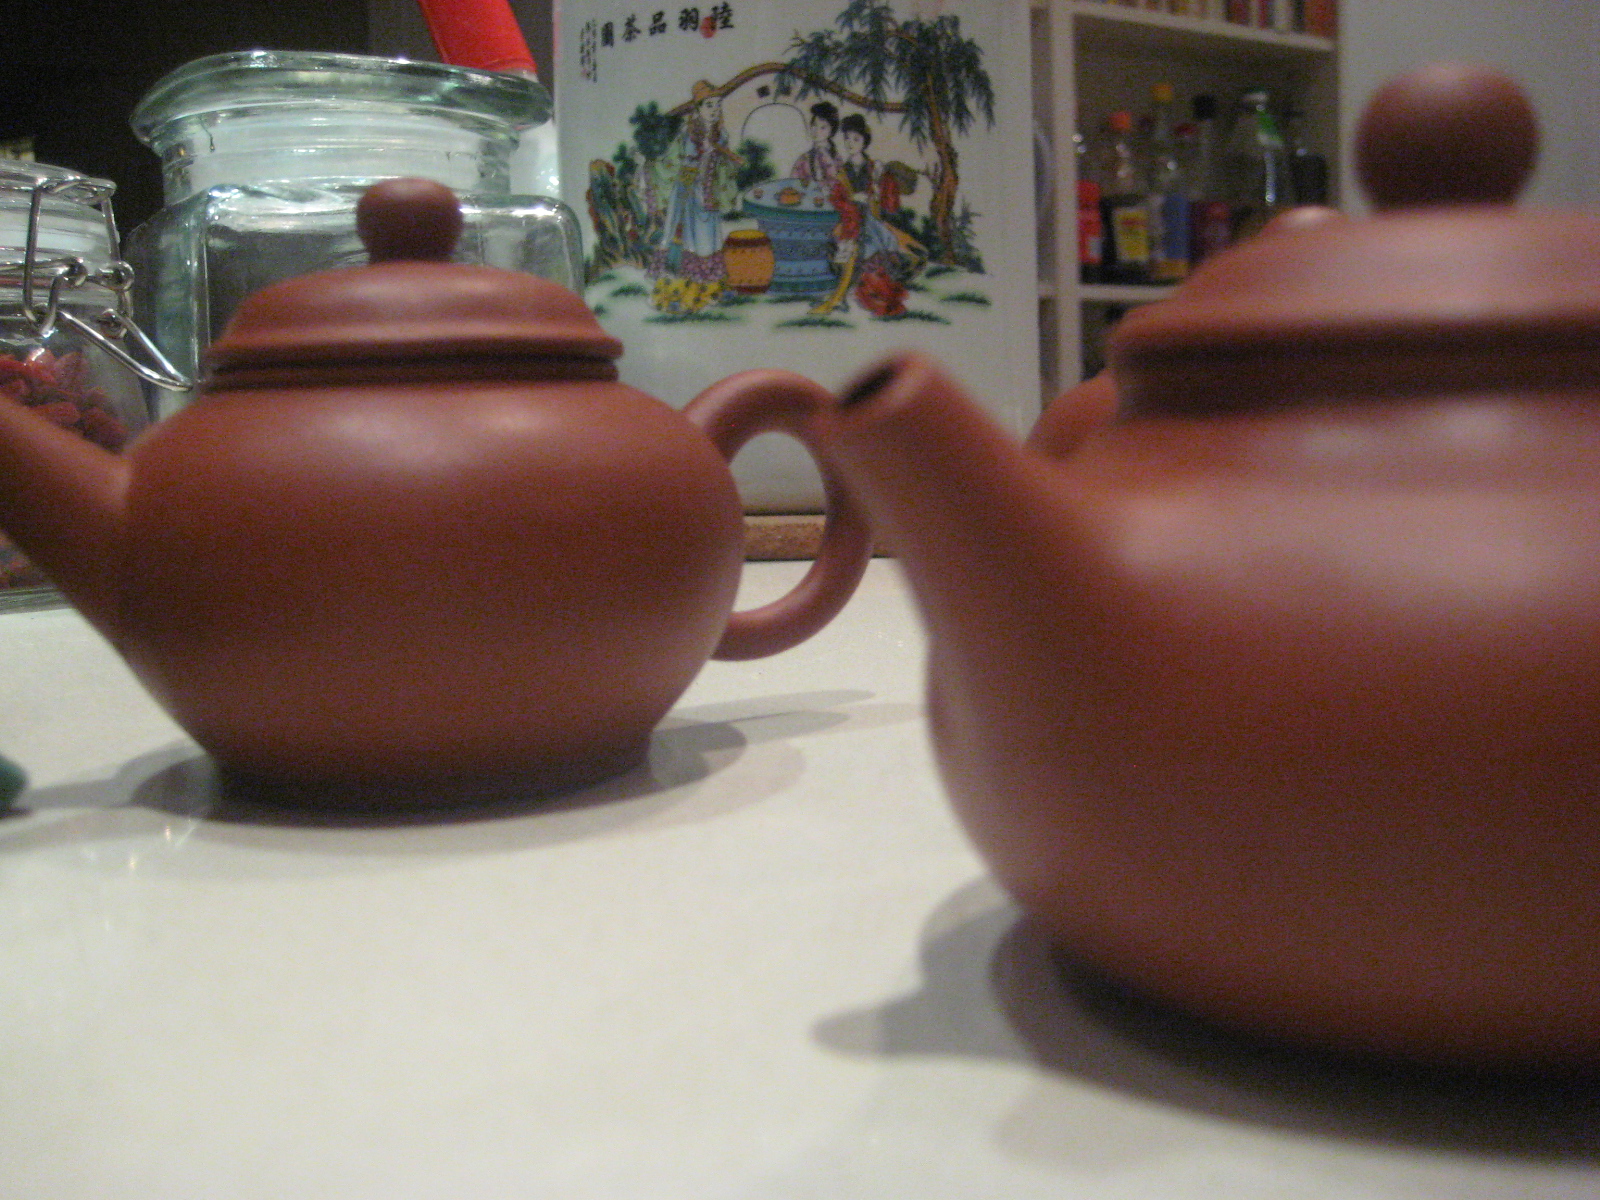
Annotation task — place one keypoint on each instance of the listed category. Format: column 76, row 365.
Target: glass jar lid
column 260, row 80
column 311, row 119
column 71, row 215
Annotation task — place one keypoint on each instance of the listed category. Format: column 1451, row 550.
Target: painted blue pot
column 799, row 221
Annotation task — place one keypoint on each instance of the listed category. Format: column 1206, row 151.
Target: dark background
column 72, row 70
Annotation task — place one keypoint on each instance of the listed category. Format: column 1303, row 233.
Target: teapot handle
column 732, row 412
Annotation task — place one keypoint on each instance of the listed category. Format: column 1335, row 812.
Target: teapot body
column 1309, row 740
column 415, row 532
column 426, row 578
column 1267, row 676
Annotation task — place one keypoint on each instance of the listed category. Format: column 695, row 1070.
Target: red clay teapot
column 1277, row 694
column 415, row 533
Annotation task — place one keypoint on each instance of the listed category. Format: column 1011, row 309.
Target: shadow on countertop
column 693, row 772
column 994, row 987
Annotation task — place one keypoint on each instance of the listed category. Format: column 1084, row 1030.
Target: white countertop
column 768, row 966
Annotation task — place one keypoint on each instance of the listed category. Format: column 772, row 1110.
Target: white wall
column 1551, row 46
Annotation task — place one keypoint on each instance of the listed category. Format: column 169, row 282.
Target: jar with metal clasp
column 69, row 349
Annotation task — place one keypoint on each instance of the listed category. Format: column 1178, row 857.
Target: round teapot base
column 253, row 791
column 1478, row 1102
column 1550, row 1034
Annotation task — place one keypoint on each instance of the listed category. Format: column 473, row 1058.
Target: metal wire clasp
column 113, row 329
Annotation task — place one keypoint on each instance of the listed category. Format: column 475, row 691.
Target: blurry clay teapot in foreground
column 1278, row 695
column 415, row 531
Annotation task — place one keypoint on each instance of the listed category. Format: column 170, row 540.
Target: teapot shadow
column 677, row 782
column 679, row 754
column 996, row 988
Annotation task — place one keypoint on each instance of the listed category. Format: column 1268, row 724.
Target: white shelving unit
column 1091, row 58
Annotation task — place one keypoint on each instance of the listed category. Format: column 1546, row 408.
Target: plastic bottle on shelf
column 1169, row 194
column 1210, row 215
column 1256, row 166
column 1124, row 206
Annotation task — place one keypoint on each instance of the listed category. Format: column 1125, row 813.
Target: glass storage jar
column 265, row 153
column 68, row 348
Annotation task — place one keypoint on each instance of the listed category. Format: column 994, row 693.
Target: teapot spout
column 979, row 522
column 62, row 501
column 1007, row 558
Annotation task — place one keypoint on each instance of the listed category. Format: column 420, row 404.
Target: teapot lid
column 1447, row 287
column 412, row 306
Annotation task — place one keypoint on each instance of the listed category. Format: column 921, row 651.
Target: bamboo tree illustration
column 921, row 69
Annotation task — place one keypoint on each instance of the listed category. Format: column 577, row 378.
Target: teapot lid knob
column 1451, row 290
column 408, row 220
column 1447, row 133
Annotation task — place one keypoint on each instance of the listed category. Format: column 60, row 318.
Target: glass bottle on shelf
column 1169, row 194
column 1210, row 216
column 1308, row 170
column 1091, row 227
column 1320, row 17
column 1256, row 166
column 265, row 153
column 1124, row 204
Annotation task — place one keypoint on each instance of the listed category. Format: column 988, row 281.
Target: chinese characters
column 596, row 36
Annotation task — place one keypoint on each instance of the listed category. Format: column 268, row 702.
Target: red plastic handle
column 766, row 401
column 482, row 34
